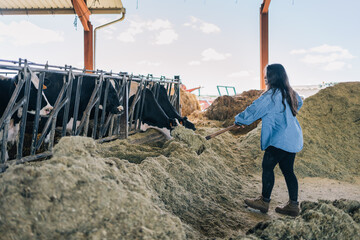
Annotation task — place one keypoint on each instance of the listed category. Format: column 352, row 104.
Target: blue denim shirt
column 279, row 128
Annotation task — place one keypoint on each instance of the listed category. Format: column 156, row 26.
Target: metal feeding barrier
column 37, row 134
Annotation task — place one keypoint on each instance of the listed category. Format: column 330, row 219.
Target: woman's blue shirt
column 279, row 128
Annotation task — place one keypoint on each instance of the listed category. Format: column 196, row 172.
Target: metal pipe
column 104, row 25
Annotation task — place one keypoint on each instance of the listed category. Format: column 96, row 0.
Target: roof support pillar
column 264, row 40
column 88, row 47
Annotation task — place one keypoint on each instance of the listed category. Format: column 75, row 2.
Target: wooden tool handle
column 222, row 131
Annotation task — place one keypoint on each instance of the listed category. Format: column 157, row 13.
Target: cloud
column 332, row 66
column 149, row 63
column 211, row 54
column 329, row 58
column 15, row 31
column 239, row 74
column 166, row 37
column 163, row 30
column 205, row 27
column 158, row 24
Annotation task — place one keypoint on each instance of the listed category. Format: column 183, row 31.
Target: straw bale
column 225, row 108
column 189, row 103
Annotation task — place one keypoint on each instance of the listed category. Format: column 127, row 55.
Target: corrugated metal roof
column 19, row 7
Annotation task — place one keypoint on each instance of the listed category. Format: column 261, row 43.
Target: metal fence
column 37, row 134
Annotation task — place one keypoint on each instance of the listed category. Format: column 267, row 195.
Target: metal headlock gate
column 37, row 134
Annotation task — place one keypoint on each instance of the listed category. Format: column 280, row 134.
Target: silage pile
column 330, row 121
column 189, row 103
column 185, row 188
column 339, row 219
column 189, row 188
column 225, row 108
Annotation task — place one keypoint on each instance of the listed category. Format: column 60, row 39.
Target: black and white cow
column 170, row 111
column 7, row 88
column 54, row 83
column 153, row 116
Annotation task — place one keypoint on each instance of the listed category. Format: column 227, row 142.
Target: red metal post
column 264, row 46
column 88, row 47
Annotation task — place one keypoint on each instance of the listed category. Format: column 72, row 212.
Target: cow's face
column 53, row 84
column 45, row 107
column 188, row 124
column 113, row 104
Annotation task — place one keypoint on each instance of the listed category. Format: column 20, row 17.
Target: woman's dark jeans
column 285, row 159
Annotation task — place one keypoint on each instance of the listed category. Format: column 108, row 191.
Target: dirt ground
column 310, row 189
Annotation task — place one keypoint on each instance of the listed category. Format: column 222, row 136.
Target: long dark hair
column 277, row 79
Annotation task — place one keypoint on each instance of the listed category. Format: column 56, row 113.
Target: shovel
column 222, row 131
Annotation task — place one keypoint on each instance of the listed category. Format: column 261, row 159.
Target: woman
column 281, row 136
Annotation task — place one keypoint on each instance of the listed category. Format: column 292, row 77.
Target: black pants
column 285, row 159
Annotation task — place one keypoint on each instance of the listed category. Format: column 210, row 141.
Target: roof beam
column 46, row 11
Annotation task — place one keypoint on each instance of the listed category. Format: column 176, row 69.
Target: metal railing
column 42, row 133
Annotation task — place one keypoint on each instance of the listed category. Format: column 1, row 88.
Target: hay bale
column 225, row 108
column 189, row 103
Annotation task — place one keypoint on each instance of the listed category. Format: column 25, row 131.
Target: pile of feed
column 225, row 108
column 189, row 103
column 339, row 219
column 184, row 188
column 330, row 121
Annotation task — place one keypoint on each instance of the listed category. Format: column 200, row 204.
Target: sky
column 208, row 43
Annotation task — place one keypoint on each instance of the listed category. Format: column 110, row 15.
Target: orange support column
column 264, row 40
column 88, row 48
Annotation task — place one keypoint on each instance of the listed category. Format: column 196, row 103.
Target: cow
column 169, row 109
column 153, row 116
column 7, row 88
column 54, row 83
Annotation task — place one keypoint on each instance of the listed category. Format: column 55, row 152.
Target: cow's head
column 113, row 104
column 173, row 122
column 45, row 107
column 187, row 124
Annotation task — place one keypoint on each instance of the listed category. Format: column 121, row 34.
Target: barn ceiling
column 28, row 7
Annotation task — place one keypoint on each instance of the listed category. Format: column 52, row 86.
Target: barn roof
column 27, row 7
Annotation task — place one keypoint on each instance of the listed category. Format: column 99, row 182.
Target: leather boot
column 258, row 203
column 291, row 209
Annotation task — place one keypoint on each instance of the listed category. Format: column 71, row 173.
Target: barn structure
column 84, row 8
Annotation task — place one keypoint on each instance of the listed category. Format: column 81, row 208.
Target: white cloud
column 166, row 37
column 149, row 63
column 333, row 66
column 205, row 27
column 211, row 54
column 239, row 74
column 126, row 37
column 194, row 63
column 163, row 30
column 329, row 58
column 14, row 33
column 325, row 48
column 158, row 24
